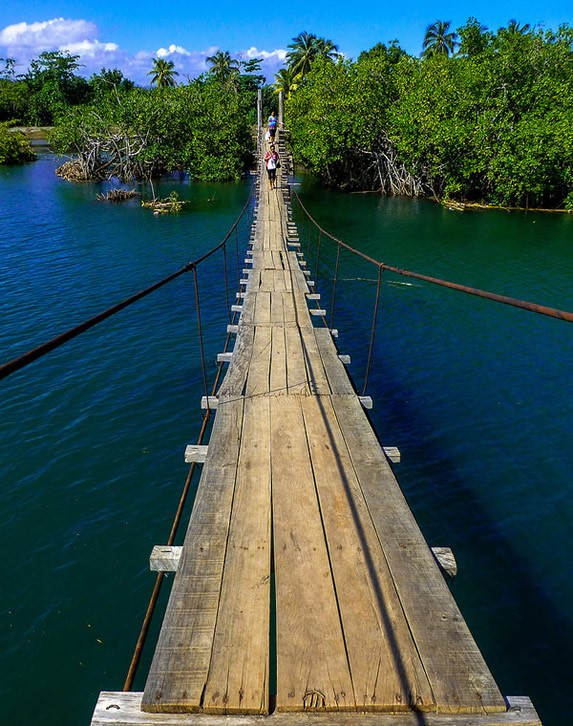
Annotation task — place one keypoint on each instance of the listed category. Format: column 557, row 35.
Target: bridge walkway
column 297, row 489
column 305, row 584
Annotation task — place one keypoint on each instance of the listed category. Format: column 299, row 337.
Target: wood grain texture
column 460, row 679
column 386, row 671
column 238, row 674
column 312, row 667
column 180, row 665
column 124, row 709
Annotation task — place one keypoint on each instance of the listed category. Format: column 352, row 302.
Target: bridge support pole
column 281, row 118
column 260, row 108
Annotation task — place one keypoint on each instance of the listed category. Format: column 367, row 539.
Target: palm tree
column 163, row 73
column 515, row 28
column 439, row 40
column 223, row 66
column 305, row 49
column 286, row 81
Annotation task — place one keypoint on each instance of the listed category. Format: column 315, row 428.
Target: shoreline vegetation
column 480, row 119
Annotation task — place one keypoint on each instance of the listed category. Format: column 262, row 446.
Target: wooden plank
column 239, row 672
column 278, row 374
column 277, row 310
column 262, row 315
column 312, row 668
column 446, row 560
column 387, row 673
column 165, row 558
column 258, row 378
column 297, row 379
column 123, row 708
column 195, row 453
column 315, row 369
column 180, row 665
column 338, row 379
column 236, row 376
column 459, row 677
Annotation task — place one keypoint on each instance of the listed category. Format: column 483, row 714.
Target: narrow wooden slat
column 278, row 373
column 258, row 378
column 277, row 309
column 335, row 371
column 262, row 315
column 236, row 376
column 297, row 378
column 315, row 368
column 312, row 668
column 460, row 679
column 238, row 675
column 124, row 709
column 180, row 665
column 387, row 674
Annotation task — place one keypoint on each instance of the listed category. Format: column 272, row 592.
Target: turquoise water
column 476, row 395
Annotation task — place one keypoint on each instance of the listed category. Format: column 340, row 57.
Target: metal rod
column 374, row 319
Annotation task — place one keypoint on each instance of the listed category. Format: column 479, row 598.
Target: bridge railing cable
column 40, row 351
column 506, row 300
column 317, row 237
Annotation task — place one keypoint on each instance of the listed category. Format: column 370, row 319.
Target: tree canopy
column 492, row 122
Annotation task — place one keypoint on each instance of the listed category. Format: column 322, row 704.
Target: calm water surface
column 476, row 395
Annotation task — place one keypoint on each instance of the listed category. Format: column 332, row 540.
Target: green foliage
column 200, row 128
column 491, row 123
column 14, row 147
column 13, row 100
column 163, row 73
column 53, row 86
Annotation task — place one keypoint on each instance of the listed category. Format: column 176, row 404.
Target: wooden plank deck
column 298, row 514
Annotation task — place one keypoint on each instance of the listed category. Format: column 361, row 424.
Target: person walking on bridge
column 272, row 125
column 271, row 163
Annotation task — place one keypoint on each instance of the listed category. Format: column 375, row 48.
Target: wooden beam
column 232, row 329
column 165, row 558
column 195, row 453
column 366, row 401
column 393, row 453
column 224, row 357
column 209, row 402
column 446, row 560
column 344, row 359
column 123, row 708
column 317, row 311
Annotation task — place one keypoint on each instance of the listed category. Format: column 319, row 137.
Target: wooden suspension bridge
column 304, row 591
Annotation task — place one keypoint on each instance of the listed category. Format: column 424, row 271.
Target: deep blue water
column 476, row 395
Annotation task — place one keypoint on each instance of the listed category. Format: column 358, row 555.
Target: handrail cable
column 136, row 657
column 185, row 491
column 25, row 359
column 523, row 304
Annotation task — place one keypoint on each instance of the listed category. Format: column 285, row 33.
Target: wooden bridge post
column 260, row 109
column 281, row 109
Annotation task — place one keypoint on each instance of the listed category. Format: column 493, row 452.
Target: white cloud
column 47, row 34
column 172, row 50
column 25, row 41
column 90, row 48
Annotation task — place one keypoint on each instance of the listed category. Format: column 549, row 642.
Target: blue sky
column 129, row 33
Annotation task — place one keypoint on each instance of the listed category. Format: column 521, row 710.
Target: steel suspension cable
column 154, row 597
column 25, row 359
column 200, row 332
column 506, row 300
column 225, row 275
column 373, row 334
column 334, row 282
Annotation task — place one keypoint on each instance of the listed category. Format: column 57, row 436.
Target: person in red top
column 271, row 163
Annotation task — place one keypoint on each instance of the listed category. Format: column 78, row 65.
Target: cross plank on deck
column 364, row 618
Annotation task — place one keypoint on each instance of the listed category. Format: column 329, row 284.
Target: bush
column 14, row 147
